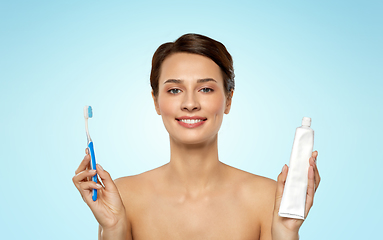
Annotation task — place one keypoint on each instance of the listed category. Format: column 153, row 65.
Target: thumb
column 280, row 186
column 106, row 179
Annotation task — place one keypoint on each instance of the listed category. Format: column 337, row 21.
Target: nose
column 190, row 102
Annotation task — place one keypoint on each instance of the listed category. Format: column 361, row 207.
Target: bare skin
column 194, row 196
column 235, row 205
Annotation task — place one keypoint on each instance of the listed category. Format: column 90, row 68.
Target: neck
column 194, row 168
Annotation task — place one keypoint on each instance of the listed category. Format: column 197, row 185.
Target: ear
column 228, row 102
column 156, row 104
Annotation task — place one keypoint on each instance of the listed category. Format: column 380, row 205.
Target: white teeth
column 190, row 121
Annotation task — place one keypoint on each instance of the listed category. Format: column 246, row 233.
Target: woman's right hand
column 108, row 209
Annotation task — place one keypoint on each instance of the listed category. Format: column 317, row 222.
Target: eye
column 206, row 90
column 174, row 91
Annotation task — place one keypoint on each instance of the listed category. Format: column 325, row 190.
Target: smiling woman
column 191, row 86
column 194, row 196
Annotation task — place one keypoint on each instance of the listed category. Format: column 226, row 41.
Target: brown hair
column 197, row 44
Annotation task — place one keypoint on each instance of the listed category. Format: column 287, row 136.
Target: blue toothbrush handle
column 93, row 166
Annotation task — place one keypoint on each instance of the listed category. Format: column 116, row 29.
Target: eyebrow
column 198, row 81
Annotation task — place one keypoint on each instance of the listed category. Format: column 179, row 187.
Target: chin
column 193, row 141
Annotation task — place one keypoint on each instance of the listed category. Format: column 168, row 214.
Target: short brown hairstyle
column 197, row 44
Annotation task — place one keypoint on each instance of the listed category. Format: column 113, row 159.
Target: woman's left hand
column 287, row 228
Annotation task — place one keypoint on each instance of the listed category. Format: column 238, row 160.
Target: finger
column 88, row 165
column 314, row 154
column 106, row 179
column 83, row 165
column 280, row 186
column 316, row 172
column 99, row 181
column 316, row 176
column 86, row 189
column 83, row 176
column 87, row 153
column 310, row 191
column 89, row 186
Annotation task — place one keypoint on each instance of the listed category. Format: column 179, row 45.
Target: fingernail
column 98, row 185
column 283, row 168
column 100, row 167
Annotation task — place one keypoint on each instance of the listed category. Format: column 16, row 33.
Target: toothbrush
column 88, row 113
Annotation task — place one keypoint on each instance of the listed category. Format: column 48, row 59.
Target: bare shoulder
column 137, row 184
column 252, row 182
column 255, row 189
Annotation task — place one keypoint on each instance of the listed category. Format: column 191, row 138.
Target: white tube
column 294, row 194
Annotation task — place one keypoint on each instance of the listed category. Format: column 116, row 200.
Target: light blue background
column 320, row 59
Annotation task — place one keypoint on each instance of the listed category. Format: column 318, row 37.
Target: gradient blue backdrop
column 320, row 59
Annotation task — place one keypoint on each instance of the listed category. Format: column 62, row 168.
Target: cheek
column 216, row 106
column 167, row 106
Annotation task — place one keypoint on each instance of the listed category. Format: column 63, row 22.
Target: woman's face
column 191, row 98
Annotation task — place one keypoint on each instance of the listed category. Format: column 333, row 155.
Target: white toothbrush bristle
column 86, row 112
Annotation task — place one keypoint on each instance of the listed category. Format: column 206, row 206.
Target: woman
column 194, row 196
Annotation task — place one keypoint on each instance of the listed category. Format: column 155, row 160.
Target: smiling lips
column 191, row 122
